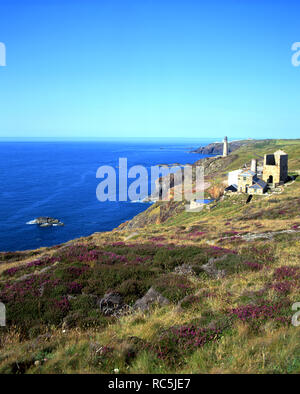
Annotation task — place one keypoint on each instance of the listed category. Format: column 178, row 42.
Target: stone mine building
column 248, row 182
column 256, row 180
column 252, row 181
column 275, row 169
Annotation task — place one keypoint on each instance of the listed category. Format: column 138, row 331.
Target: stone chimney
column 254, row 165
column 225, row 147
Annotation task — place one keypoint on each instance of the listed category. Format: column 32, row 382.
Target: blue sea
column 58, row 179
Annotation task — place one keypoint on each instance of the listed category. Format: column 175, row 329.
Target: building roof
column 259, row 184
column 247, row 173
column 231, row 187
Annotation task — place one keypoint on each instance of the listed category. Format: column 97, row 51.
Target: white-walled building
column 233, row 177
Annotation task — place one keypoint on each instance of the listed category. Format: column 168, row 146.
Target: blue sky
column 141, row 68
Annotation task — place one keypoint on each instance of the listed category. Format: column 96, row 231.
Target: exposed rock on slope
column 216, row 148
column 213, row 165
column 151, row 297
column 156, row 214
column 163, row 210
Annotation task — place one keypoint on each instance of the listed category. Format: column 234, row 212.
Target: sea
column 58, row 179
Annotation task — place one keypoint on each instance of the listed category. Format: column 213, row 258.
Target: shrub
column 83, row 302
column 265, row 310
column 173, row 287
column 167, row 259
column 287, row 272
column 132, row 289
column 190, row 301
column 174, row 344
column 253, row 265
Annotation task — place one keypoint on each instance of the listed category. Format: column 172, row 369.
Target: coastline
column 46, row 194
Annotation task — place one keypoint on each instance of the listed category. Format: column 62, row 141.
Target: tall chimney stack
column 225, row 147
column 254, row 165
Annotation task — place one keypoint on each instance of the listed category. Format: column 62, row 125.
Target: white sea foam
column 32, row 222
column 143, row 201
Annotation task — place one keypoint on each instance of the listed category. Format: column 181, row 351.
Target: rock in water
column 45, row 221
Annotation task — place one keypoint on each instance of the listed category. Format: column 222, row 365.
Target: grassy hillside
column 230, row 274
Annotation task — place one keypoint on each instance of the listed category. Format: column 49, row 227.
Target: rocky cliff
column 216, row 148
column 161, row 211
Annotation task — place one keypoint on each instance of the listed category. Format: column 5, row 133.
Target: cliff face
column 157, row 213
column 213, row 165
column 216, row 148
column 161, row 211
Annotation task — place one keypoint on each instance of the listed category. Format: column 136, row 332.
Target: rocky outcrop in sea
column 45, row 221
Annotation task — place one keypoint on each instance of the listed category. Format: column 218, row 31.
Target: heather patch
column 217, row 251
column 18, row 291
column 71, row 272
column 232, row 239
column 78, row 252
column 234, row 264
column 287, row 272
column 282, row 287
column 157, row 239
column 177, row 342
column 261, row 253
column 230, row 233
column 257, row 314
column 30, row 267
column 253, row 265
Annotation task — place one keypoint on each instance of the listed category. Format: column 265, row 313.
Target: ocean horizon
column 57, row 178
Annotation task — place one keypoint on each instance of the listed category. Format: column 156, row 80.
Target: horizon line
column 30, row 139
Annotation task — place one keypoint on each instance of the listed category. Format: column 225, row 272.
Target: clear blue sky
column 149, row 68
